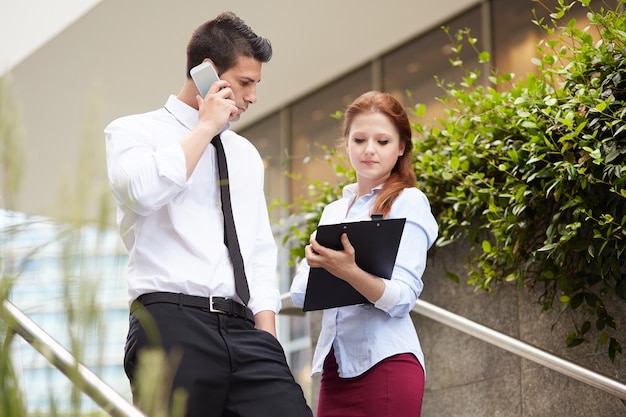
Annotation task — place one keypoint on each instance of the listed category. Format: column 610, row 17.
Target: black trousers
column 227, row 368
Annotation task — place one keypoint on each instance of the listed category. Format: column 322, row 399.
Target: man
column 164, row 175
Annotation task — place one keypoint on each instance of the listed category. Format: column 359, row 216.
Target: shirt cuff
column 390, row 296
column 270, row 301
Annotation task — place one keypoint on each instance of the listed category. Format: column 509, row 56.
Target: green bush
column 532, row 171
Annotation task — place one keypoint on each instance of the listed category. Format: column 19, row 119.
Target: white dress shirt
column 173, row 228
column 363, row 335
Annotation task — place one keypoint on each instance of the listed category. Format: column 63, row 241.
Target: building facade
column 292, row 134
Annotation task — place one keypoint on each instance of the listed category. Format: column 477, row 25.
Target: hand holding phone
column 204, row 75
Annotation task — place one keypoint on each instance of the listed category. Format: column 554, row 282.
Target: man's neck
column 188, row 94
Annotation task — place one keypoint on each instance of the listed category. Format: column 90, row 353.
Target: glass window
column 409, row 71
column 300, row 362
column 313, row 130
column 515, row 36
column 272, row 145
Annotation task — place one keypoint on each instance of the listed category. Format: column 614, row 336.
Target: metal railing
column 117, row 406
column 505, row 342
column 91, row 384
column 522, row 349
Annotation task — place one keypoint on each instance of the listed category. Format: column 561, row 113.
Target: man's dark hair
column 223, row 40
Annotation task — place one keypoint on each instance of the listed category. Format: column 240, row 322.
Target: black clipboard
column 375, row 244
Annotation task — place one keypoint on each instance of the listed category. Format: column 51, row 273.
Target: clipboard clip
column 376, row 216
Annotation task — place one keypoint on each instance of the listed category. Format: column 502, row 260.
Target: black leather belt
column 214, row 304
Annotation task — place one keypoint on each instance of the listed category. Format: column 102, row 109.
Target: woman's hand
column 340, row 263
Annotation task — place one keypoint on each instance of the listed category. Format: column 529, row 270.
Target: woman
column 369, row 354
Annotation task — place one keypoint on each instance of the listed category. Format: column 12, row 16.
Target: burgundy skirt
column 393, row 387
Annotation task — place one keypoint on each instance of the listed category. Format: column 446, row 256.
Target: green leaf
column 452, row 277
column 614, row 347
column 585, row 327
column 420, row 110
column 573, row 341
column 576, row 301
column 592, row 300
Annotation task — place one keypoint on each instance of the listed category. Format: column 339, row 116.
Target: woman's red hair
column 402, row 175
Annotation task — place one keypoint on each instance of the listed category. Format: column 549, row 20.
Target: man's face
column 243, row 78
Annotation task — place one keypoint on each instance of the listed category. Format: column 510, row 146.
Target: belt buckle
column 213, row 309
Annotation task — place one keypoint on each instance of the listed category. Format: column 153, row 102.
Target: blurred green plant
column 12, row 401
column 81, row 255
column 532, row 172
column 11, row 151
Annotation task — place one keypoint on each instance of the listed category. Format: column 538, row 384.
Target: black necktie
column 230, row 233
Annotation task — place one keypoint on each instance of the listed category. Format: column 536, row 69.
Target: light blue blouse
column 365, row 334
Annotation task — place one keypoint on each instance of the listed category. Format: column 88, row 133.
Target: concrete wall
column 469, row 377
column 466, row 377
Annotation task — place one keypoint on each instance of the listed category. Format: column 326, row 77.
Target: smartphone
column 204, row 75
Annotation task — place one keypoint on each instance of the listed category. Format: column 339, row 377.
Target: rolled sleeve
column 143, row 177
column 298, row 286
column 391, row 296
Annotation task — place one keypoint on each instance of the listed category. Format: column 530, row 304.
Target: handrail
column 117, row 406
column 505, row 342
column 98, row 390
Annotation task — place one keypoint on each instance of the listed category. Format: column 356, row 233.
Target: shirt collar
column 185, row 114
column 350, row 190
